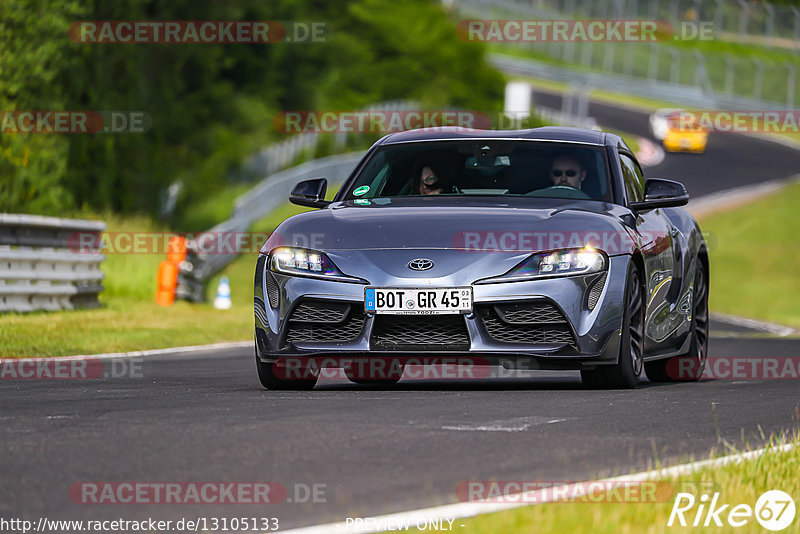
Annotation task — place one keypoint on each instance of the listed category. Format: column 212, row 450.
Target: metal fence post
column 586, row 53
column 652, row 72
column 770, row 22
column 673, row 14
column 790, row 81
column 718, row 17
column 654, row 10
column 674, row 75
column 759, row 79
column 744, row 16
column 628, row 67
column 701, row 73
column 608, row 58
column 728, row 74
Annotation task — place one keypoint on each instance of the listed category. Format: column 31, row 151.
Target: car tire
column 271, row 380
column 688, row 367
column 626, row 372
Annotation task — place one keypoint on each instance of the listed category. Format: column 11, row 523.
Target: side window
column 634, row 180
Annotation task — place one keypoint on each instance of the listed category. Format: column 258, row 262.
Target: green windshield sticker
column 361, row 190
column 362, row 201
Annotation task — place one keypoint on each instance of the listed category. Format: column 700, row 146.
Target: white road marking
column 150, row 352
column 518, row 424
column 764, row 326
column 736, row 196
column 450, row 512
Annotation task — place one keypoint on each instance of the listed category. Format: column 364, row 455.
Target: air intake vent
column 526, row 323
column 412, row 332
column 595, row 291
column 325, row 322
column 273, row 292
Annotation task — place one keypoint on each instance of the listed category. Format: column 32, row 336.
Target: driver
column 431, row 179
column 567, row 171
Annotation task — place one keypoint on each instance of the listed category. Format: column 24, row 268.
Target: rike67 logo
column 774, row 510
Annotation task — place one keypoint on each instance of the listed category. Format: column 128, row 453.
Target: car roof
column 546, row 133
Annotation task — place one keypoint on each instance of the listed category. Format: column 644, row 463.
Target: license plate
column 418, row 301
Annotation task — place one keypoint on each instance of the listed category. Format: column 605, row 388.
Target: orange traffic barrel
column 167, row 280
column 176, row 250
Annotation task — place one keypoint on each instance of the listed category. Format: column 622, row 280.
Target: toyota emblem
column 420, row 264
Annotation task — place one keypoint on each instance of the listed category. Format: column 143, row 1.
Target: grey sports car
column 529, row 249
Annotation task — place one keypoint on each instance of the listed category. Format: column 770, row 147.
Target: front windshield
column 484, row 168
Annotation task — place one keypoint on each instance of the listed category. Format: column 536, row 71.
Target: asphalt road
column 730, row 160
column 203, row 417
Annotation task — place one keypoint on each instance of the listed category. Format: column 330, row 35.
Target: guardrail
column 656, row 69
column 37, row 269
column 278, row 156
column 256, row 204
column 685, row 95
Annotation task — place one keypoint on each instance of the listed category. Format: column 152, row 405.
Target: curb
column 450, row 512
column 149, row 352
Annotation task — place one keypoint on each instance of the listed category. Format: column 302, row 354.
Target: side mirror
column 661, row 193
column 310, row 193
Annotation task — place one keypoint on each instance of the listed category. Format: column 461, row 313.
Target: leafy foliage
column 210, row 104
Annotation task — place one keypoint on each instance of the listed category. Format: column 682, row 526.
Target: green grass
column 739, row 483
column 212, row 210
column 754, row 257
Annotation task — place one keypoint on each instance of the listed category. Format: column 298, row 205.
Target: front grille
column 414, row 332
column 324, row 322
column 527, row 323
column 529, row 313
column 320, row 312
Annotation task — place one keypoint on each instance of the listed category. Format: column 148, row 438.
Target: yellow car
column 686, row 140
column 676, row 133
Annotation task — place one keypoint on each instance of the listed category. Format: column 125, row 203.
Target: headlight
column 305, row 262
column 550, row 264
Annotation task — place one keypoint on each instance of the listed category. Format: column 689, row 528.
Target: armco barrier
column 39, row 272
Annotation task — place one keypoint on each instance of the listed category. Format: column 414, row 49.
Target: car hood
column 465, row 240
column 474, row 226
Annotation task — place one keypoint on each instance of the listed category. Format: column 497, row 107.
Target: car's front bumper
column 595, row 330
